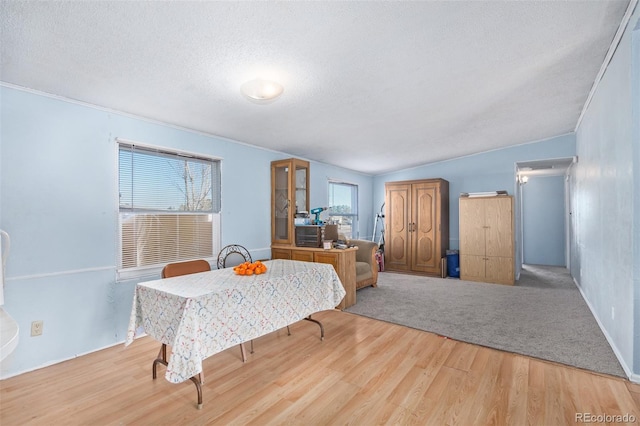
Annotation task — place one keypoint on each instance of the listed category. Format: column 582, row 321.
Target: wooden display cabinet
column 289, row 194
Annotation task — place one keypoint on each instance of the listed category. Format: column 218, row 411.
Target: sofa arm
column 374, row 265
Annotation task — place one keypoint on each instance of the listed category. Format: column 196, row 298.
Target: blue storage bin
column 453, row 263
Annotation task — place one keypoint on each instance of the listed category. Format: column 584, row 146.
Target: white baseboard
column 635, row 378
column 50, row 363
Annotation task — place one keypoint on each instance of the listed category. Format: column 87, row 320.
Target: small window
column 343, row 210
column 169, row 209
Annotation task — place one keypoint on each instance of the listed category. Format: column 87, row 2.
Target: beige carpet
column 543, row 315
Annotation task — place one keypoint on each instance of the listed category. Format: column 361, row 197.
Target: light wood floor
column 365, row 372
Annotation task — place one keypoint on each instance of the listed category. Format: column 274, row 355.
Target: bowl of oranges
column 249, row 268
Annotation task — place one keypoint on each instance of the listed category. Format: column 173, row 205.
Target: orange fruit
column 249, row 268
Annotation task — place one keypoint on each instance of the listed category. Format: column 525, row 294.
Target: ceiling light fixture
column 261, row 91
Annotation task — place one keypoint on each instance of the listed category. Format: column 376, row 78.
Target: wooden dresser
column 486, row 239
column 344, row 262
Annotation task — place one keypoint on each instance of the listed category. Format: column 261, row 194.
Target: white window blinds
column 169, row 208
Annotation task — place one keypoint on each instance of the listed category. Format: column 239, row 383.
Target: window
column 343, row 199
column 169, row 209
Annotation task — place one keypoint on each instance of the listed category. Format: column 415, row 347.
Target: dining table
column 201, row 314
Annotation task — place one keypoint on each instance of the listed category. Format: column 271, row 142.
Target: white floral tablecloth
column 199, row 315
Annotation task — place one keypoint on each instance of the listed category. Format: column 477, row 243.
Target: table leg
column 161, row 359
column 319, row 323
column 197, row 380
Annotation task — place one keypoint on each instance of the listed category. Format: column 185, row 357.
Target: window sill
column 138, row 274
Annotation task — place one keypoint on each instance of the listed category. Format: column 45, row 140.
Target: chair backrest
column 185, row 268
column 233, row 255
column 366, row 250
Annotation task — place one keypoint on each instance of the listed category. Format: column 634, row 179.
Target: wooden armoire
column 486, row 239
column 417, row 225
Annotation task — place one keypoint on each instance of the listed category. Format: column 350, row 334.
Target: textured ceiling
column 370, row 86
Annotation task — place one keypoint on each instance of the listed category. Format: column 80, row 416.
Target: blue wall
column 489, row 171
column 605, row 189
column 635, row 144
column 59, row 203
column 543, row 216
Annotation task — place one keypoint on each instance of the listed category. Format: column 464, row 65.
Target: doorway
column 543, row 221
column 542, row 225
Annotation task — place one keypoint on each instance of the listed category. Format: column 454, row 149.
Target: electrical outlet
column 36, row 328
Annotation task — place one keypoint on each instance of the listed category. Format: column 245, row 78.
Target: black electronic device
column 309, row 235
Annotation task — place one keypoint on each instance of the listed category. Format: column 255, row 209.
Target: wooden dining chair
column 192, row 267
column 185, row 268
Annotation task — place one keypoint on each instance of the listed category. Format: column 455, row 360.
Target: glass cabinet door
column 289, row 196
column 302, row 189
column 281, row 202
